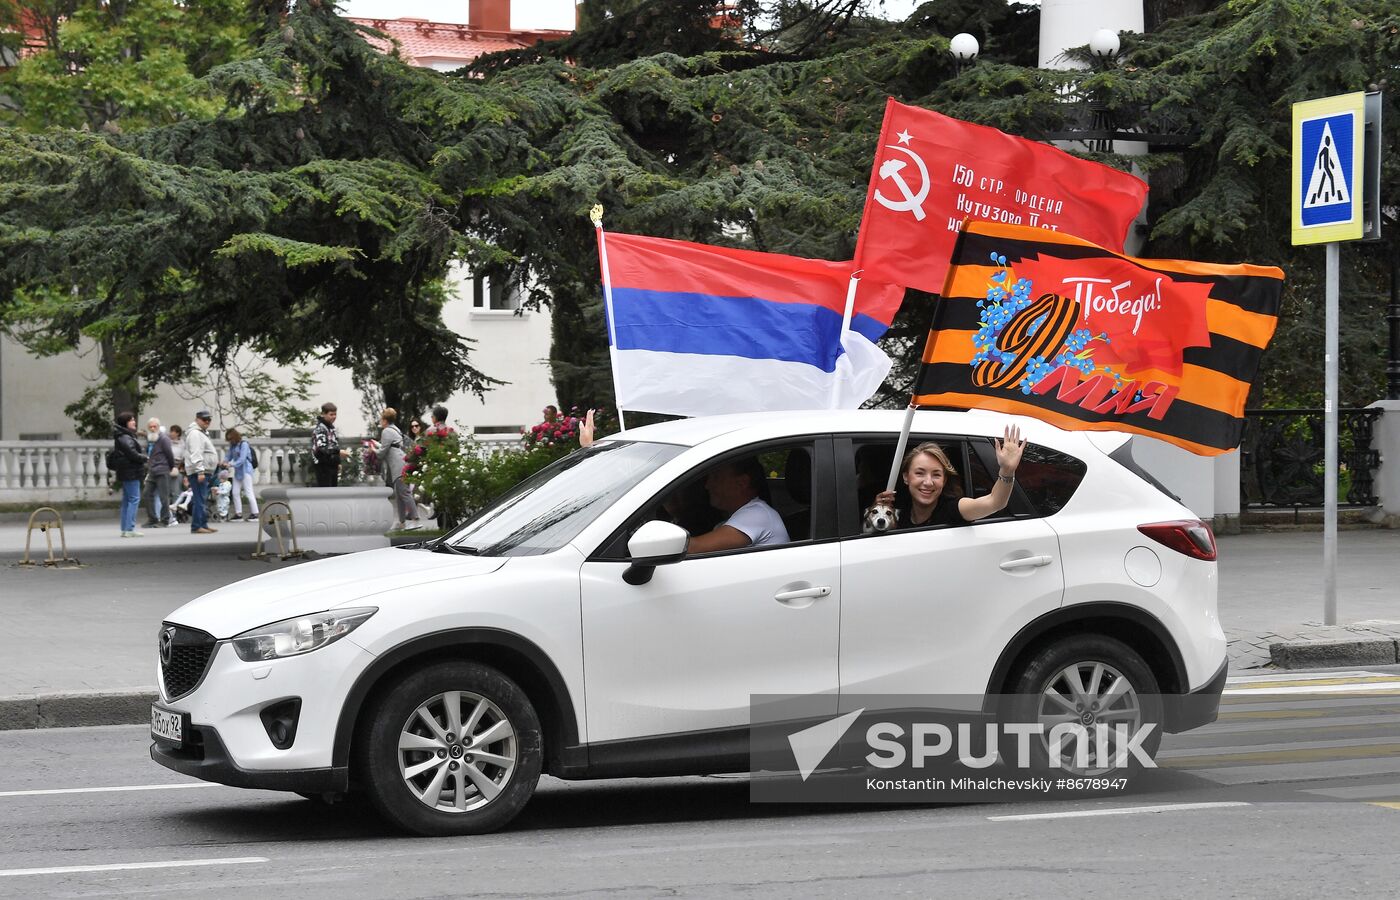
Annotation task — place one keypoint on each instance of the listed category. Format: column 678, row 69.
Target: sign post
column 1328, row 162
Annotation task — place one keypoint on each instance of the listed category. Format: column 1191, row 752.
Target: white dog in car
column 879, row 518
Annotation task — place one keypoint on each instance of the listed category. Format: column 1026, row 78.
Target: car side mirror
column 654, row 544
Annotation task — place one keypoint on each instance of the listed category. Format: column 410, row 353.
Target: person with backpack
column 128, row 461
column 241, row 459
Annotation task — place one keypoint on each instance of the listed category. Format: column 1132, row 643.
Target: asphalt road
column 1291, row 794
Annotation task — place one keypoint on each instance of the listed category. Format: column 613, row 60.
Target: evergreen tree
column 301, row 220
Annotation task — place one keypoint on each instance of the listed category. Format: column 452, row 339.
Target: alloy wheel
column 1091, row 694
column 457, row 751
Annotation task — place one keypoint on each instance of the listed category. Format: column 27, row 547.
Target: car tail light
column 1190, row 536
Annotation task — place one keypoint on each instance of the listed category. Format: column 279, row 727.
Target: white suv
column 548, row 635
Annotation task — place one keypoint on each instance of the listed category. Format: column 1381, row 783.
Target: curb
column 75, row 708
column 1331, row 654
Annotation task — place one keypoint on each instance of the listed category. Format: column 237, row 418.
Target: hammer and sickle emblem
column 913, row 201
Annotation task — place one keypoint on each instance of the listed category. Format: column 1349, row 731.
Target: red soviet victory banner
column 1041, row 324
column 931, row 172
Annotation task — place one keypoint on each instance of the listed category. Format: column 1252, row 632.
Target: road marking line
column 109, row 790
column 1379, row 688
column 1386, row 743
column 1117, row 811
column 1240, row 706
column 1376, row 792
column 115, row 867
column 1299, row 771
column 1384, row 752
column 1309, row 676
column 1313, row 723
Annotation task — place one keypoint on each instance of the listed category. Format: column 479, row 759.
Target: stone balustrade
column 64, row 471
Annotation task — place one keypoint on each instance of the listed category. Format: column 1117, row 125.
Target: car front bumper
column 204, row 756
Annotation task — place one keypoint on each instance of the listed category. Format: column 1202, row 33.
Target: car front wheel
column 453, row 748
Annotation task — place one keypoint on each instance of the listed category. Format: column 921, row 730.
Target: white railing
column 57, row 471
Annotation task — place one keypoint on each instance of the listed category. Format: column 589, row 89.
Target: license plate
column 167, row 726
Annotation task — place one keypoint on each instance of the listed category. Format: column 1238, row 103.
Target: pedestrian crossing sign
column 1328, row 152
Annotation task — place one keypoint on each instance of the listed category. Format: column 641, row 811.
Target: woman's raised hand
column 1009, row 450
column 585, row 430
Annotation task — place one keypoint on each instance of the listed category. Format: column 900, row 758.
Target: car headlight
column 293, row 637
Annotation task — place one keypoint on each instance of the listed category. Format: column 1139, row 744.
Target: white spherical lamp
column 1104, row 44
column 963, row 47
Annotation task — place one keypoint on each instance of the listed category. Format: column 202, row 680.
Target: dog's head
column 879, row 518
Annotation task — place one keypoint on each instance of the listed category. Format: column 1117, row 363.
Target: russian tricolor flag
column 699, row 330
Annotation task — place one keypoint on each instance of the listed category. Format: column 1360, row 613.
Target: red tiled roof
column 421, row 41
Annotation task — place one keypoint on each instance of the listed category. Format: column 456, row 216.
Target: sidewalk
column 73, row 638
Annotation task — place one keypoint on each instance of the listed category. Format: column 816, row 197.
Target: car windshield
column 545, row 511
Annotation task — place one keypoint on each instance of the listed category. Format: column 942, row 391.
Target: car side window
column 872, row 459
column 699, row 502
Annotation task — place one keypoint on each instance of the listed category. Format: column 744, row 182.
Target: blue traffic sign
column 1327, row 176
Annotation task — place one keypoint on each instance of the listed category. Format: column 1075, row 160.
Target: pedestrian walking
column 325, row 448
column 239, row 460
column 159, row 490
column 128, row 462
column 390, row 451
column 201, row 463
column 177, row 470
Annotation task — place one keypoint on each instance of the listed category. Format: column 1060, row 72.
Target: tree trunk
column 124, row 388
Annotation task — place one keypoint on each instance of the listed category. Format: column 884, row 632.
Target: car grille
column 182, row 665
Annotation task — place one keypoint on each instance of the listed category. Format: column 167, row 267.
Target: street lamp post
column 964, row 48
column 1104, row 45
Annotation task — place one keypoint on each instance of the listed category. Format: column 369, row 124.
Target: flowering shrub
column 460, row 477
column 560, row 437
column 562, row 433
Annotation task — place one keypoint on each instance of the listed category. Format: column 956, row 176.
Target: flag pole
column 909, row 413
column 899, row 448
column 831, row 401
column 596, row 214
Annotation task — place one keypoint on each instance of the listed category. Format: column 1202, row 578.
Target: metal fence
column 1281, row 458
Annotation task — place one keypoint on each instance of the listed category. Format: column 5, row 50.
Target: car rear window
column 1049, row 478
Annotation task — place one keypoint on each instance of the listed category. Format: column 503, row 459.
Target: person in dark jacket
column 130, row 468
column 326, row 453
column 161, row 454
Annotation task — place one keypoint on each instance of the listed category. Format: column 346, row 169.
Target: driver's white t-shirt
column 760, row 522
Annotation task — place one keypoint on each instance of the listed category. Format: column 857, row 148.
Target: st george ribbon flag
column 1051, row 326
column 931, row 172
column 699, row 330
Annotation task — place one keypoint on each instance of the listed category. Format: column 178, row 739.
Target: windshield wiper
column 441, row 547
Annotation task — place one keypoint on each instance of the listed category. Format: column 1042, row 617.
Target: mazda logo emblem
column 167, row 640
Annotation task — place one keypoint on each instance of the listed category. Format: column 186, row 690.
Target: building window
column 495, row 294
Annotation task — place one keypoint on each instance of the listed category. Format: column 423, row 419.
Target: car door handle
column 1026, row 562
column 802, row 594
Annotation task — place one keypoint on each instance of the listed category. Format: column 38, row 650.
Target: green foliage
column 769, row 147
column 123, row 65
column 459, row 478
column 300, row 224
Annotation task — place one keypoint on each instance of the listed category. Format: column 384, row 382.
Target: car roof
column 760, row 426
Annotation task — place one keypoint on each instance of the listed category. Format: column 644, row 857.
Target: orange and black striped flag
column 1037, row 323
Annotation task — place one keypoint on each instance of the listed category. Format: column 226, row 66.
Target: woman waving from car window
column 926, row 471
